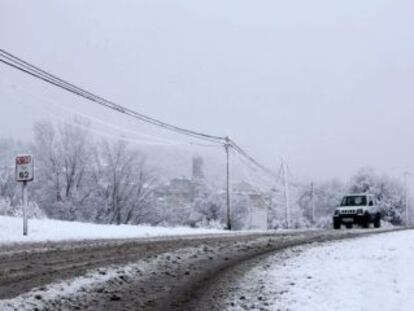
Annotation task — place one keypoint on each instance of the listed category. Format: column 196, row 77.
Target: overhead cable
column 24, row 66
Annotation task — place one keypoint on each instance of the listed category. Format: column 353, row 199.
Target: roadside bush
column 8, row 209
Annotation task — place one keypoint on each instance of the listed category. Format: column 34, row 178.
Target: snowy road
column 149, row 274
column 370, row 273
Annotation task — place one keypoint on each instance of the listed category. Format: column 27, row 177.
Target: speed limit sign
column 24, row 173
column 24, row 168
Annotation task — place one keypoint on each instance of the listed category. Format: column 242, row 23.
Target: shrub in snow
column 5, row 207
column 300, row 223
column 212, row 224
column 8, row 209
column 324, row 222
column 33, row 211
column 275, row 224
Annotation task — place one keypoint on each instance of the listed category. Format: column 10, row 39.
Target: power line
column 146, row 137
column 24, row 66
column 247, row 166
column 242, row 152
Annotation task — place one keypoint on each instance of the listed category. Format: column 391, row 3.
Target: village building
column 257, row 204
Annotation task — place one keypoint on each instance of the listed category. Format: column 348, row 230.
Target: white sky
column 326, row 84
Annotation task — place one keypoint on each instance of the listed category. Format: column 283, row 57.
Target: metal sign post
column 24, row 174
column 24, row 201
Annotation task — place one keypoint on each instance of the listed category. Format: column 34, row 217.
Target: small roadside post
column 24, row 174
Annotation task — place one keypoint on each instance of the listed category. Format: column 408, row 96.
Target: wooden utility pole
column 407, row 214
column 313, row 201
column 227, row 146
column 286, row 184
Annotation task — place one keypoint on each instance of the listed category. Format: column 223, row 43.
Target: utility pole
column 407, row 214
column 286, row 184
column 312, row 194
column 227, row 146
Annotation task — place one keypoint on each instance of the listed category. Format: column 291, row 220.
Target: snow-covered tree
column 125, row 184
column 389, row 192
column 318, row 200
column 63, row 156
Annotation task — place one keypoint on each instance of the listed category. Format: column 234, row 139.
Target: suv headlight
column 360, row 211
column 337, row 212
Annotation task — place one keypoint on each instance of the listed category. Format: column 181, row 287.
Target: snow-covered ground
column 372, row 273
column 53, row 230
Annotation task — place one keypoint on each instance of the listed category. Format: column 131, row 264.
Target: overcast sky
column 328, row 85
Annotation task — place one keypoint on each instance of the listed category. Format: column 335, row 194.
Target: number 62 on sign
column 24, row 168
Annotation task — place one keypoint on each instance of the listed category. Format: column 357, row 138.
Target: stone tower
column 198, row 168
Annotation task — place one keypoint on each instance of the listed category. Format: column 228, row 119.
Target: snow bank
column 372, row 273
column 54, row 230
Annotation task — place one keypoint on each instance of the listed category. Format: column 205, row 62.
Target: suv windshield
column 354, row 201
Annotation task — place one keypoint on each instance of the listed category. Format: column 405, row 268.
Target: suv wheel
column 365, row 222
column 349, row 225
column 377, row 222
column 336, row 224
